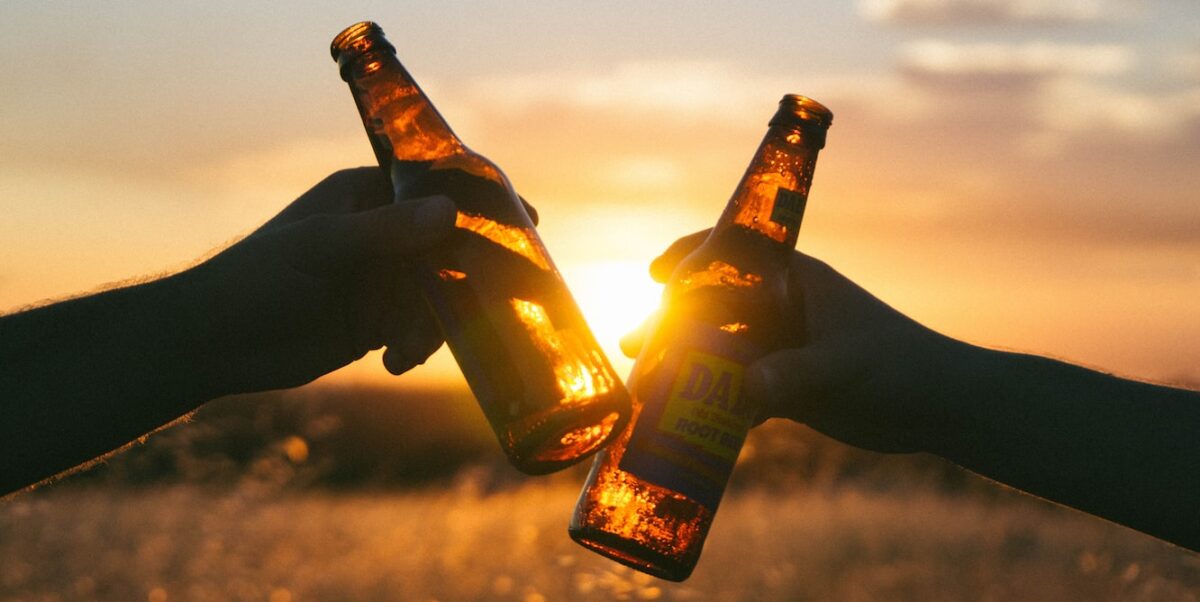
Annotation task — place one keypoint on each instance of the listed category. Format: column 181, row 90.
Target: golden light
column 615, row 296
column 519, row 240
column 720, row 273
column 578, row 371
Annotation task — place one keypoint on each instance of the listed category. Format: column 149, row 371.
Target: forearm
column 83, row 377
column 1123, row 450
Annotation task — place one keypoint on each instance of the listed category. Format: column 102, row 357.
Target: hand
column 315, row 288
column 865, row 373
column 871, row 377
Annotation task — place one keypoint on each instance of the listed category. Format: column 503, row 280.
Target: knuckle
column 342, row 177
column 358, row 181
column 319, row 224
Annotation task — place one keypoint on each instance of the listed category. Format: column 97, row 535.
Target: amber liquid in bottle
column 651, row 496
column 545, row 386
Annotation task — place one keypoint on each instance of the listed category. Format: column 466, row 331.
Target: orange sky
column 1021, row 175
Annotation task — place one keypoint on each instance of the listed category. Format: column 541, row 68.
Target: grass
column 255, row 541
column 327, row 494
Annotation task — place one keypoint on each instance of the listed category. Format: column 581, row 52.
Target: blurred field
column 280, row 498
column 180, row 543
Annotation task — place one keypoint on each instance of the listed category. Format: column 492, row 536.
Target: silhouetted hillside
column 382, row 436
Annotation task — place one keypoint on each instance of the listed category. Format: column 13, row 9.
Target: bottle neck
column 401, row 122
column 771, row 197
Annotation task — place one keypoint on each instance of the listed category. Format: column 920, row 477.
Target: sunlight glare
column 615, row 296
column 579, row 379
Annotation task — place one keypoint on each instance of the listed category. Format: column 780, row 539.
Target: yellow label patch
column 705, row 407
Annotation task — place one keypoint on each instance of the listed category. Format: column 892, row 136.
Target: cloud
column 956, row 123
column 1073, row 107
column 997, row 65
column 692, row 100
column 990, row 12
column 286, row 168
column 1046, row 96
column 1108, row 223
column 640, row 132
column 686, row 89
column 1185, row 64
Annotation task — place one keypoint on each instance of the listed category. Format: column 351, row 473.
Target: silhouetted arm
column 1120, row 449
column 312, row 290
column 84, row 377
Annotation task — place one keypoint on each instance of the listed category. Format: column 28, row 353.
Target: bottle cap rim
column 805, row 110
column 357, row 39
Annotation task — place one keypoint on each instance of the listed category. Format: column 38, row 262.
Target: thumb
column 632, row 342
column 325, row 244
column 792, row 383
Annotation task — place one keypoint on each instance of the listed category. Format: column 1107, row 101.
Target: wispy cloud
column 677, row 134
column 937, row 58
column 1051, row 95
column 1074, row 108
column 990, row 12
column 682, row 88
column 1185, row 64
column 276, row 171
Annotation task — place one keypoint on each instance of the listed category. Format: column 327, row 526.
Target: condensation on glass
column 651, row 496
column 544, row 384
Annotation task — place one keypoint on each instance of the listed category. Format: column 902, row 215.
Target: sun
column 614, row 296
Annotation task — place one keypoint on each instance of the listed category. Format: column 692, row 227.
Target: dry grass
column 254, row 542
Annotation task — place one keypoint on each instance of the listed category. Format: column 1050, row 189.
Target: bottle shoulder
column 734, row 258
column 472, row 163
column 734, row 283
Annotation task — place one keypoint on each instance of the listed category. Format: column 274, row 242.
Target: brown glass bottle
column 651, row 496
column 544, row 384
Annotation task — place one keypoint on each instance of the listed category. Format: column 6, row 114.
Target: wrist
column 196, row 331
column 965, row 379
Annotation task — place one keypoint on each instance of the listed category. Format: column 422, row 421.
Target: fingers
column 792, row 383
column 632, row 342
column 345, row 191
column 663, row 265
column 419, row 340
column 330, row 245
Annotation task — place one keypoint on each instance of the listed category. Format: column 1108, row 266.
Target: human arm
column 869, row 376
column 312, row 290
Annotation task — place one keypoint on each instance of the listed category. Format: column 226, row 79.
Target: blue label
column 694, row 418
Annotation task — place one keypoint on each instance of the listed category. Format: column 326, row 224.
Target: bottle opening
column 807, row 110
column 356, row 40
column 807, row 116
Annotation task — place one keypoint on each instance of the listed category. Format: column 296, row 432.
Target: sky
column 1021, row 174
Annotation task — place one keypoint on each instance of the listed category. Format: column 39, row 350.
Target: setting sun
column 615, row 296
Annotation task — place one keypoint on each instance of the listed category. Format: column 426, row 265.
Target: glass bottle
column 651, row 496
column 543, row 382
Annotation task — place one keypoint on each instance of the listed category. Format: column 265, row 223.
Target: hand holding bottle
column 523, row 346
column 867, row 375
column 322, row 283
column 310, row 291
column 651, row 496
column 864, row 373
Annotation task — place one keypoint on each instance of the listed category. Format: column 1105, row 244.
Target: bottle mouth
column 807, row 110
column 356, row 40
column 805, row 115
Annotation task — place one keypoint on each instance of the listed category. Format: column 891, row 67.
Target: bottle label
column 789, row 208
column 694, row 419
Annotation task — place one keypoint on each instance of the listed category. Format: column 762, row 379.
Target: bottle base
column 539, row 447
column 632, row 555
